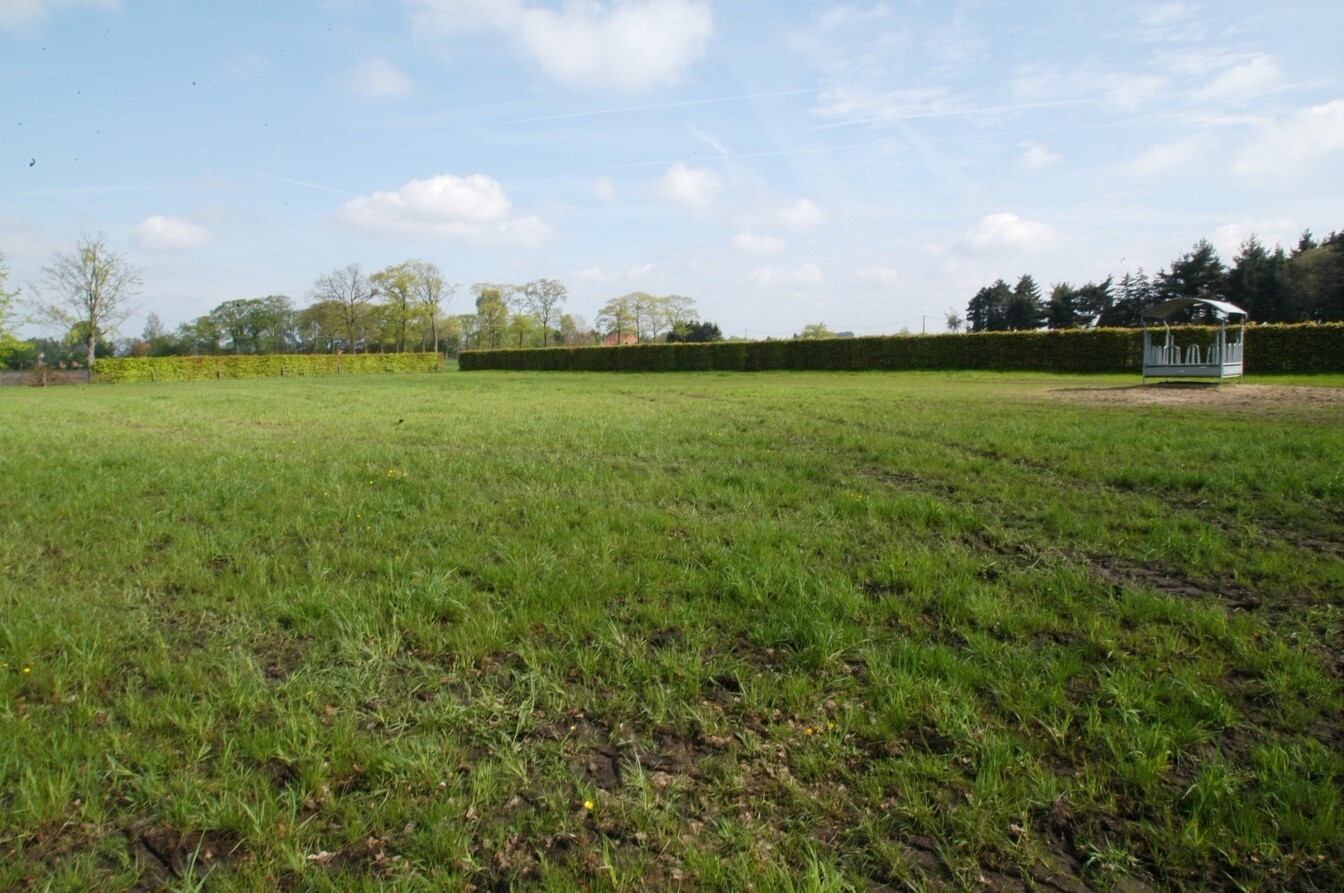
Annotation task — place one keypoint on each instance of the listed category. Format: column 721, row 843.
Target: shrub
column 1269, row 348
column 131, row 369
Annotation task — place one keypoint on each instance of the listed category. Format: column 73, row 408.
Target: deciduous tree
column 348, row 290
column 8, row 343
column 432, row 295
column 676, row 313
column 492, row 313
column 396, row 286
column 89, row 289
column 543, row 298
column 617, row 317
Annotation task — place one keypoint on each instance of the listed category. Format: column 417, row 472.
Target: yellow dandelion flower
column 588, row 805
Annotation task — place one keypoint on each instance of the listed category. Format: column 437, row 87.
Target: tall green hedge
column 1269, row 348
column 129, row 369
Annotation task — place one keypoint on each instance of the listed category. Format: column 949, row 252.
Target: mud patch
column 165, row 853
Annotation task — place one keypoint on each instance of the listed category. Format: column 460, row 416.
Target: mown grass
column 781, row 631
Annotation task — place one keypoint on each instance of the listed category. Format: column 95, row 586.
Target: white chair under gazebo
column 1177, row 357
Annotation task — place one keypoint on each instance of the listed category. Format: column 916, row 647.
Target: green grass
column 781, row 631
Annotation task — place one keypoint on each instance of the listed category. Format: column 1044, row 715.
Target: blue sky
column 861, row 164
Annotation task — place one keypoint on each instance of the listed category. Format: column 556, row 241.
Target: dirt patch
column 1231, row 396
column 166, row 853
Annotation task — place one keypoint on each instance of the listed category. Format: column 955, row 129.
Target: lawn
column 787, row 631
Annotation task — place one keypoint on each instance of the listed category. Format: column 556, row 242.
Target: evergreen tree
column 1199, row 273
column 988, row 310
column 1134, row 298
column 1062, row 311
column 1025, row 309
column 1316, row 279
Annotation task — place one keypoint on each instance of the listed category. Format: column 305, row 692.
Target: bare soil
column 1235, row 395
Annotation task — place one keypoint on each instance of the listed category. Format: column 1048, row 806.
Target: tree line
column 86, row 293
column 1305, row 284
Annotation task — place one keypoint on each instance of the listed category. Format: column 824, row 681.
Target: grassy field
column 772, row 632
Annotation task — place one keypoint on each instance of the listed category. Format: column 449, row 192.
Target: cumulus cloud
column 803, row 215
column 628, row 45
column 807, row 274
column 16, row 15
column 695, row 188
column 1036, row 157
column 473, row 208
column 605, row 189
column 755, row 244
column 1309, row 135
column 376, row 78
column 160, row 233
column 1008, row 232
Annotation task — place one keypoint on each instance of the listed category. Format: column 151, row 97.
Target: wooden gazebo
column 1177, row 357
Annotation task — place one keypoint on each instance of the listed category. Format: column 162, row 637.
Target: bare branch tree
column 88, row 291
column 349, row 290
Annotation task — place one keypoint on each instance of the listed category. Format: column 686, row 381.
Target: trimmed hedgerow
column 132, row 369
column 1270, row 348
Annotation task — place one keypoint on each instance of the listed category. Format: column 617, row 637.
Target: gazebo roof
column 1165, row 311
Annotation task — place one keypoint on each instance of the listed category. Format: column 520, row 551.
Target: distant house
column 620, row 338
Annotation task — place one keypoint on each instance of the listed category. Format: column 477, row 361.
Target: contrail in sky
column 292, row 182
column 662, row 105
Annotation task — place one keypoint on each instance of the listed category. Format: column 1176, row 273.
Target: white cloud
column 1008, row 232
column 1311, row 134
column 696, row 188
column 1168, row 156
column 1130, row 92
column 862, row 104
column 1229, row 238
column 807, row 274
column 627, row 45
column 376, row 78
column 880, row 275
column 1036, row 157
column 803, row 215
column 1255, row 77
column 473, row 208
column 1169, row 23
column 16, row 15
column 605, row 189
column 754, row 244
column 595, row 274
column 160, row 233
